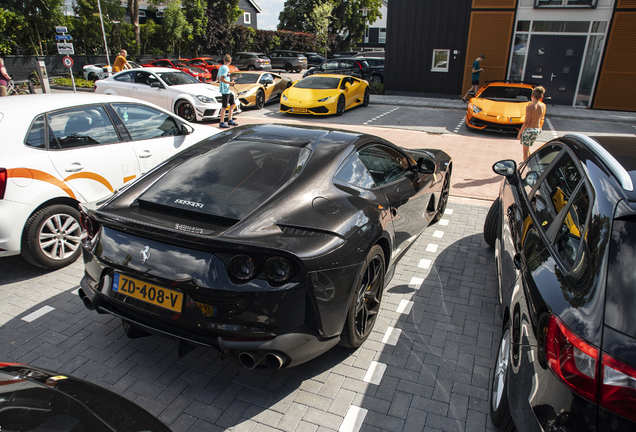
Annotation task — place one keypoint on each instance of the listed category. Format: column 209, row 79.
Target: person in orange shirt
column 120, row 62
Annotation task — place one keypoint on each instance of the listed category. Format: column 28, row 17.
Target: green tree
column 320, row 18
column 292, row 16
column 146, row 33
column 10, row 28
column 175, row 27
column 40, row 18
column 87, row 29
column 195, row 14
column 221, row 16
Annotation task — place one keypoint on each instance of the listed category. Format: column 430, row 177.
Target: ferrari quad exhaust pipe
column 249, row 359
column 86, row 300
column 274, row 360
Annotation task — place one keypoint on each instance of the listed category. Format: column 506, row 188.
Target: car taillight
column 260, row 60
column 3, row 182
column 89, row 228
column 618, row 391
column 573, row 360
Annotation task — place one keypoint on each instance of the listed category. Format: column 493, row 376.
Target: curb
column 82, row 89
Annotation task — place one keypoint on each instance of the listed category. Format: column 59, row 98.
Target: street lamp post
column 99, row 7
column 364, row 35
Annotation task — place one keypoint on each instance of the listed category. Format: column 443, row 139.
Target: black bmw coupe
column 564, row 231
column 270, row 243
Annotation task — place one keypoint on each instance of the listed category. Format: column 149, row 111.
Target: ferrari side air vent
column 305, row 232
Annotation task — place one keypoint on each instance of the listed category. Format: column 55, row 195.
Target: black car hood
column 34, row 399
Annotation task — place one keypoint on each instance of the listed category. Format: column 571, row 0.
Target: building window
column 142, row 14
column 565, row 3
column 247, row 18
column 382, row 37
column 561, row 26
column 440, row 60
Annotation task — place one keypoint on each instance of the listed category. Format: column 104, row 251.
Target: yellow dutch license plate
column 146, row 292
column 302, row 110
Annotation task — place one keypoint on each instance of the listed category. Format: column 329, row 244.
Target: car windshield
column 177, row 78
column 244, row 78
column 230, row 181
column 318, row 83
column 507, row 94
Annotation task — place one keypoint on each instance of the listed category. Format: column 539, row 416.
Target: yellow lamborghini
column 325, row 94
column 255, row 89
column 499, row 106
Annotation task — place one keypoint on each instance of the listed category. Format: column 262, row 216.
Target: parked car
column 564, row 232
column 324, row 95
column 500, row 107
column 251, row 61
column 62, row 149
column 344, row 54
column 37, row 400
column 314, row 59
column 257, row 88
column 375, row 54
column 356, row 67
column 210, row 64
column 270, row 243
column 291, row 61
column 199, row 73
column 376, row 66
column 99, row 71
column 171, row 89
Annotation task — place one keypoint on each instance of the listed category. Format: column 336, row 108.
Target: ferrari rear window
column 318, row 83
column 229, row 182
column 507, row 94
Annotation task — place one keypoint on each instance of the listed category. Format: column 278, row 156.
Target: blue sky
column 268, row 18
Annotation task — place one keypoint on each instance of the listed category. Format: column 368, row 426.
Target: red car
column 199, row 73
column 210, row 64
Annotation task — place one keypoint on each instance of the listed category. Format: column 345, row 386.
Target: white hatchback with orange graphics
column 61, row 149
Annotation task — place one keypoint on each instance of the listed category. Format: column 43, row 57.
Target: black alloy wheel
column 260, row 99
column 92, row 76
column 289, row 67
column 251, row 68
column 443, row 199
column 367, row 97
column 340, row 108
column 365, row 304
column 185, row 110
column 491, row 225
column 51, row 238
column 499, row 409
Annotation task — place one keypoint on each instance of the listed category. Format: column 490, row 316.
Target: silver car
column 251, row 61
column 291, row 61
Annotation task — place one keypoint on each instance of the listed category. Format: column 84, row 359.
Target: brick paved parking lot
column 426, row 366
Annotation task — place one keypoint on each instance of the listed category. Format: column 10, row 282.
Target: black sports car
column 38, row 400
column 564, row 230
column 270, row 243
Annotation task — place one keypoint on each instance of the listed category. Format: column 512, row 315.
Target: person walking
column 4, row 78
column 120, row 62
column 474, row 77
column 532, row 125
column 227, row 96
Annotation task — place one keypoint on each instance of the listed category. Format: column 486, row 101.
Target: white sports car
column 170, row 89
column 99, row 71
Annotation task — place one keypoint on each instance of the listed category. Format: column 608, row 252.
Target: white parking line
column 381, row 115
column 353, row 420
column 443, row 222
column 404, row 307
column 416, row 283
column 461, row 123
column 438, row 234
column 391, row 336
column 424, row 263
column 431, row 247
column 38, row 313
column 375, row 373
column 554, row 134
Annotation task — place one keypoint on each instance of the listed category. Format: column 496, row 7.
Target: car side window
column 536, row 166
column 143, row 122
column 35, row 138
column 555, row 190
column 332, row 64
column 125, row 77
column 355, row 173
column 572, row 230
column 80, row 127
column 385, row 164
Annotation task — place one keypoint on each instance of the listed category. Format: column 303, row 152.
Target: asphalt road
column 426, row 366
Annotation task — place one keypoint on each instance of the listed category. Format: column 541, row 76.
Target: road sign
column 68, row 62
column 60, row 29
column 65, row 48
column 63, row 37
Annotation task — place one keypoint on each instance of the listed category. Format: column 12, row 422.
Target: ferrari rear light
column 243, row 267
column 89, row 228
column 618, row 390
column 572, row 359
column 3, row 182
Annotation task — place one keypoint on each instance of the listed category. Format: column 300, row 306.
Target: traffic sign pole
column 68, row 62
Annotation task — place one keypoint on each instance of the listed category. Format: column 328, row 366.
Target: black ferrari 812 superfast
column 270, row 243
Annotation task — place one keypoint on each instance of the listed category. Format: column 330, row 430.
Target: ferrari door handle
column 145, row 154
column 74, row 167
column 517, row 261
